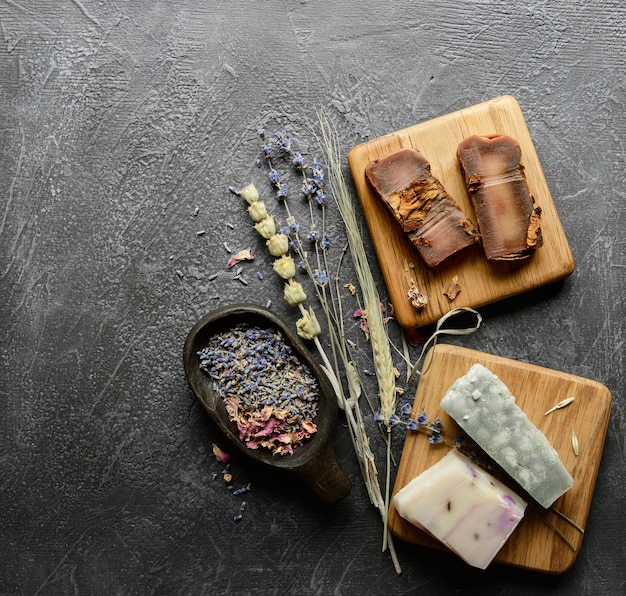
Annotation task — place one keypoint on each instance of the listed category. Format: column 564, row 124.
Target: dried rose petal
column 414, row 337
column 220, row 455
column 242, row 255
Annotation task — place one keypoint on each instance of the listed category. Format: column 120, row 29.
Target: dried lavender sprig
column 312, row 190
column 313, row 187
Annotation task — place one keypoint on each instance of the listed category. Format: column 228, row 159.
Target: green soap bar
column 484, row 408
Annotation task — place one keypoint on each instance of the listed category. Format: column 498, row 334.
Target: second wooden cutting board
column 481, row 281
column 535, row 544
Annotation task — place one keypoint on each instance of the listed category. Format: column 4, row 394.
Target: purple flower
column 325, row 242
column 435, row 439
column 314, row 235
column 308, row 190
column 406, row 409
column 320, row 276
column 283, row 140
column 422, row 419
column 299, row 162
column 378, row 417
column 274, row 176
column 320, row 198
column 283, row 191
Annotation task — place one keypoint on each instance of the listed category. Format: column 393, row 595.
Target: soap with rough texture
column 485, row 409
column 427, row 214
column 508, row 219
column 463, row 506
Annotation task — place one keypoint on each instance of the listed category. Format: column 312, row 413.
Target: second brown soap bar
column 508, row 219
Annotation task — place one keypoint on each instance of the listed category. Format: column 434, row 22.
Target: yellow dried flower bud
column 257, row 211
column 307, row 326
column 294, row 293
column 285, row 267
column 250, row 193
column 266, row 227
column 278, row 244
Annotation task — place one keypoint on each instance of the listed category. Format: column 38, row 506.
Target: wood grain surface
column 534, row 544
column 481, row 281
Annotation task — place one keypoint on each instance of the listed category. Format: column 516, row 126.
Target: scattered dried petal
column 453, row 289
column 242, row 255
column 351, row 288
column 417, row 299
column 220, row 455
column 413, row 337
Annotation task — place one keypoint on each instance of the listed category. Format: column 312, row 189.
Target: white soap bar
column 464, row 507
column 484, row 408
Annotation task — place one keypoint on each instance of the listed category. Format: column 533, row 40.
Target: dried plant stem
column 564, row 517
column 383, row 361
column 560, row 534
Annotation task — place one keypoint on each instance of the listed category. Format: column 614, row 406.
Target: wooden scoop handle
column 325, row 476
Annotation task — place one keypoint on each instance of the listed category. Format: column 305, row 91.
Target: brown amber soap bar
column 427, row 214
column 508, row 219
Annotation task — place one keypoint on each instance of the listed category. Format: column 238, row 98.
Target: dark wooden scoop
column 314, row 461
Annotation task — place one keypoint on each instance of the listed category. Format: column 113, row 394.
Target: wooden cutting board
column 481, row 281
column 534, row 544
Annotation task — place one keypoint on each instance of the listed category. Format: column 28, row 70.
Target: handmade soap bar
column 432, row 220
column 484, row 408
column 508, row 219
column 462, row 506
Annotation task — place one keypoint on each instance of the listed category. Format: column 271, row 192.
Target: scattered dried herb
column 574, row 441
column 561, row 404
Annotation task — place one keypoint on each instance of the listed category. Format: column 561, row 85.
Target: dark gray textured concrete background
column 118, row 119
